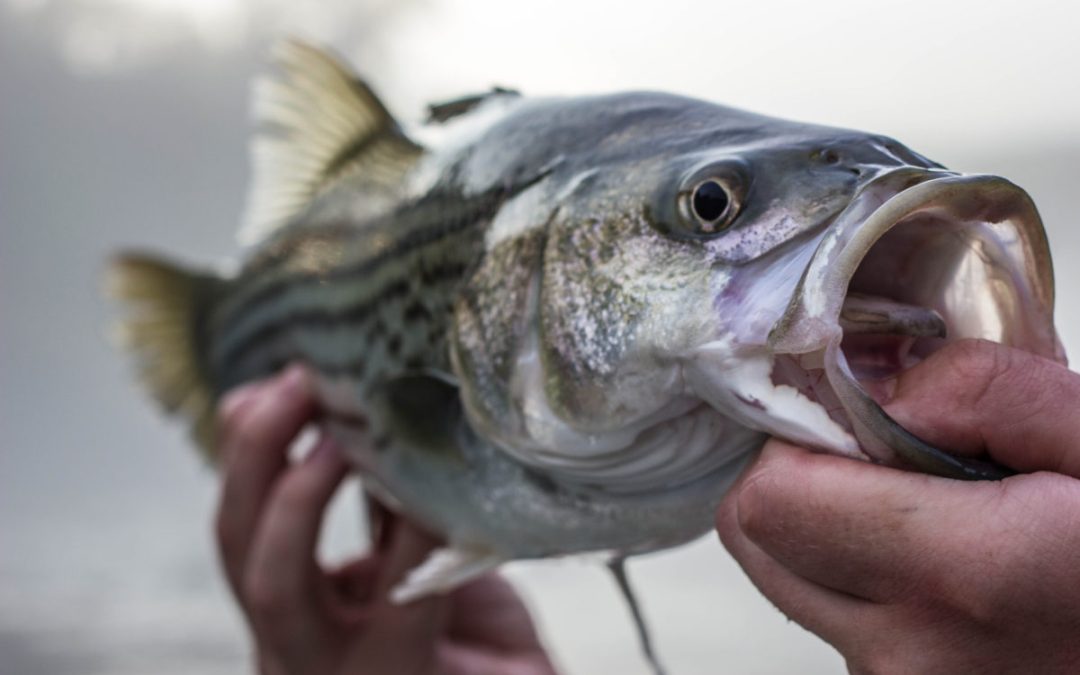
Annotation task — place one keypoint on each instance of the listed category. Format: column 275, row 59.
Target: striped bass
column 544, row 327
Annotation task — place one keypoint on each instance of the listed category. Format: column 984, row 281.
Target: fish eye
column 710, row 202
column 704, row 202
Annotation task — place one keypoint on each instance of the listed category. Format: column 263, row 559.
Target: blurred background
column 124, row 123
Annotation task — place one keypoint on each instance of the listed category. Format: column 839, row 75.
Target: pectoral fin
column 444, row 570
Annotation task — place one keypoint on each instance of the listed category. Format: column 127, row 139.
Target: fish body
column 564, row 325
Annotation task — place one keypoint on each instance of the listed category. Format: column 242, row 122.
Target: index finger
column 255, row 443
column 974, row 396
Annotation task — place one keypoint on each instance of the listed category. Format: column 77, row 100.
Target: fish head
column 702, row 282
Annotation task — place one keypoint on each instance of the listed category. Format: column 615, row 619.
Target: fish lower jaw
column 770, row 395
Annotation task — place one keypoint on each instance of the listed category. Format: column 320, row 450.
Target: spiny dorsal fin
column 318, row 124
column 166, row 303
column 444, row 111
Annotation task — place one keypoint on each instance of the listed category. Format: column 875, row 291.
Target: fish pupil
column 710, row 201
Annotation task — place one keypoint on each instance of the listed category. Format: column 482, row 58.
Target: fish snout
column 868, row 160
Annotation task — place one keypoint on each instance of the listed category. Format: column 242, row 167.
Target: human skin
column 909, row 573
column 308, row 619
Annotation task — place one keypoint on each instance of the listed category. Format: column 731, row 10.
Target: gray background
column 124, row 123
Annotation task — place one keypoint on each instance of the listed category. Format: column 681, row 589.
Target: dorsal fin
column 318, row 124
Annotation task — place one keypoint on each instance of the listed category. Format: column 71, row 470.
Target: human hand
column 909, row 573
column 306, row 619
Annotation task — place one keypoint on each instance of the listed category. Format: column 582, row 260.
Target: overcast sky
column 924, row 70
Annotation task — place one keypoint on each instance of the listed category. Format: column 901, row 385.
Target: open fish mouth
column 920, row 258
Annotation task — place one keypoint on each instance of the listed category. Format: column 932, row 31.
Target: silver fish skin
column 564, row 325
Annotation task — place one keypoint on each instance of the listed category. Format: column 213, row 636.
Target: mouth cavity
column 920, row 259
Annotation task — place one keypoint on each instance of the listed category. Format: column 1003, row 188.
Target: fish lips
column 969, row 248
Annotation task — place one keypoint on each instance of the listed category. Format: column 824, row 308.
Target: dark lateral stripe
column 315, row 318
column 418, row 225
column 433, row 221
column 263, row 365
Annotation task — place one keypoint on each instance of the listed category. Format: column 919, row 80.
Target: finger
column 974, row 396
column 397, row 630
column 353, row 584
column 282, row 579
column 870, row 531
column 406, row 547
column 361, row 586
column 380, row 524
column 824, row 611
column 258, row 426
column 488, row 611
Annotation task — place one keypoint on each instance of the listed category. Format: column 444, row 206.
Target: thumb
column 975, row 396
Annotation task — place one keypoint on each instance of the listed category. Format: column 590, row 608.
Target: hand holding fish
column 305, row 619
column 904, row 572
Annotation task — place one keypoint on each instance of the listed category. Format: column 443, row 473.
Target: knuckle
column 294, row 492
column 264, row 597
column 235, row 437
column 227, row 421
column 234, row 417
column 979, row 604
column 247, row 430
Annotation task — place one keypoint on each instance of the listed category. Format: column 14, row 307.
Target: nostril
column 834, row 158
